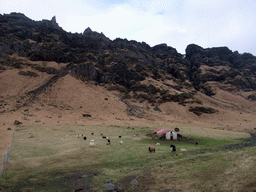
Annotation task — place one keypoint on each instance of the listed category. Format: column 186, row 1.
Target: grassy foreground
column 54, row 159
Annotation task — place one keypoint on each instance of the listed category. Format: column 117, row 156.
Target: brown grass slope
column 68, row 99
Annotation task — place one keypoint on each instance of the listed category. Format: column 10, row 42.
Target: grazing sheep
column 120, row 136
column 183, row 150
column 173, row 148
column 107, row 138
column 157, row 143
column 151, row 149
column 84, row 138
column 92, row 144
column 62, row 139
column 104, row 137
column 196, row 143
column 92, row 133
column 108, row 143
column 101, row 134
column 121, row 142
column 92, row 140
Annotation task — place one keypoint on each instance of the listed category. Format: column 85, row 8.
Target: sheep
column 120, row 136
column 183, row 150
column 196, row 143
column 84, row 138
column 108, row 144
column 121, row 142
column 104, row 137
column 92, row 133
column 173, row 148
column 157, row 143
column 107, row 138
column 92, row 144
column 151, row 149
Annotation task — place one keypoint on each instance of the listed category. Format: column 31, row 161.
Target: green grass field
column 47, row 158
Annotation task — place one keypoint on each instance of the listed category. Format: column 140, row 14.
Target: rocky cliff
column 123, row 65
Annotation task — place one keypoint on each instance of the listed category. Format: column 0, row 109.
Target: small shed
column 171, row 135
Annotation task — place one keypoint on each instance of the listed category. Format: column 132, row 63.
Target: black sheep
column 92, row 133
column 104, row 137
column 196, row 143
column 173, row 148
column 84, row 138
column 120, row 136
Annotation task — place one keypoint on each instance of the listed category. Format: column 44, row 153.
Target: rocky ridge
column 123, row 65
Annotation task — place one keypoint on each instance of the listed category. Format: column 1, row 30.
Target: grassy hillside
column 53, row 159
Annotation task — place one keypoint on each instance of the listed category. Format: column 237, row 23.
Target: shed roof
column 158, row 130
column 162, row 132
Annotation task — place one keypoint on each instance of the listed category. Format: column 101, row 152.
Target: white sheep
column 92, row 144
column 183, row 150
column 121, row 142
column 157, row 143
column 107, row 138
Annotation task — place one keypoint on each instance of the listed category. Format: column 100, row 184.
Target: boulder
column 109, row 186
column 86, row 115
column 134, row 182
column 16, row 122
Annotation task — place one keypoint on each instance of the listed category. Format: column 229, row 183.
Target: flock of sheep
column 92, row 144
column 151, row 149
column 172, row 147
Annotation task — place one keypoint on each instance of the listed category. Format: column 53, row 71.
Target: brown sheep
column 151, row 149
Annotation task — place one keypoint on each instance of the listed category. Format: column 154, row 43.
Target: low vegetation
column 54, row 159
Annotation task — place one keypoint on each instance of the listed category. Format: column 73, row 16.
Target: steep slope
column 49, row 76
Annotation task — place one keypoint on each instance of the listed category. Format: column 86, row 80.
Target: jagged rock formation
column 93, row 34
column 221, row 65
column 123, row 64
column 54, row 22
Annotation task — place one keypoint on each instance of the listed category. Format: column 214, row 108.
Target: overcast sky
column 207, row 23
